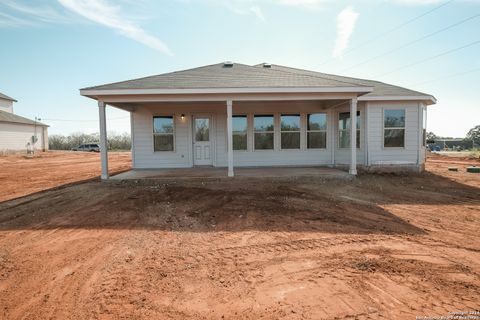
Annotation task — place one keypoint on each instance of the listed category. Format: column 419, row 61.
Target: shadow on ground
column 195, row 205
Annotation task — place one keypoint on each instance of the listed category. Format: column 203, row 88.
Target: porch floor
column 210, row 172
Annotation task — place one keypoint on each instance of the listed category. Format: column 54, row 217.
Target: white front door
column 202, row 147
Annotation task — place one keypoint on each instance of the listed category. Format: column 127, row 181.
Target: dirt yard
column 378, row 247
column 46, row 170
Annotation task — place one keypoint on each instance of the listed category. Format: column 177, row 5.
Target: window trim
column 272, row 132
column 404, row 128
column 247, row 130
column 299, row 131
column 163, row 134
column 359, row 140
column 307, row 131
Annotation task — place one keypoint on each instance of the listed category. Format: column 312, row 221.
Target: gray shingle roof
column 245, row 76
column 10, row 117
column 379, row 88
column 218, row 76
column 5, row 97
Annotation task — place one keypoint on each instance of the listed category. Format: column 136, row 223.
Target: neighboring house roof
column 380, row 89
column 5, row 97
column 240, row 76
column 13, row 118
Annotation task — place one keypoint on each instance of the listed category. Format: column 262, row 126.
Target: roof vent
column 267, row 65
column 228, row 64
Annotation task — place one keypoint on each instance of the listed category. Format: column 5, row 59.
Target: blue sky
column 50, row 49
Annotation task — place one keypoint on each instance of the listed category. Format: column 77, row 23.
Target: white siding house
column 233, row 115
column 16, row 132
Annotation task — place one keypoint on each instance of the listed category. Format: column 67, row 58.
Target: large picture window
column 163, row 133
column 394, row 128
column 317, row 131
column 290, row 131
column 344, row 125
column 264, row 132
column 239, row 126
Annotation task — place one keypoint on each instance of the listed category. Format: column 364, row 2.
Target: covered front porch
column 215, row 173
column 182, row 111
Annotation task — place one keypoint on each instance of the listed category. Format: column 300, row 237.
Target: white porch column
column 229, row 138
column 353, row 136
column 103, row 139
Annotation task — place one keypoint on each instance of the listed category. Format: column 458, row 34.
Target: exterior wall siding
column 15, row 136
column 182, row 156
column 408, row 155
column 371, row 128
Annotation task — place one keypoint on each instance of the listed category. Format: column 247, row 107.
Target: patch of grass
column 475, row 154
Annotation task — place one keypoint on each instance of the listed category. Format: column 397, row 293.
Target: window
column 163, row 133
column 239, row 126
column 290, row 131
column 263, row 126
column 202, row 129
column 317, row 131
column 344, row 129
column 394, row 128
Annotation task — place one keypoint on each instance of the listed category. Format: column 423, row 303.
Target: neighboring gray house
column 235, row 115
column 16, row 132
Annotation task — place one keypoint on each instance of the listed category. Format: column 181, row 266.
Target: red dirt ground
column 378, row 247
column 47, row 170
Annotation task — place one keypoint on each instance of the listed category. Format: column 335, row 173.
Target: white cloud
column 346, row 21
column 103, row 13
column 257, row 11
column 41, row 13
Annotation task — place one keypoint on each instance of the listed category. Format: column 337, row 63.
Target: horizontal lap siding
column 144, row 155
column 181, row 157
column 377, row 153
column 15, row 136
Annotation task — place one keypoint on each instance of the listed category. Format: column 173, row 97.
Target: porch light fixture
column 182, row 116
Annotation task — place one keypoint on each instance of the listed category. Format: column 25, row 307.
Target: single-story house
column 235, row 115
column 17, row 132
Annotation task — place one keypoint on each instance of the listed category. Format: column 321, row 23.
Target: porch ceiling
column 237, row 105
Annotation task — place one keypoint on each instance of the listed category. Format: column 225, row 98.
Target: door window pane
column 202, row 129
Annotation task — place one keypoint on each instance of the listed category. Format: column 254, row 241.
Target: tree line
column 473, row 135
column 67, row 142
